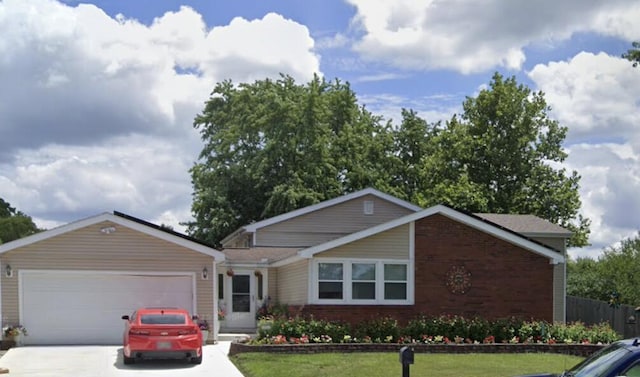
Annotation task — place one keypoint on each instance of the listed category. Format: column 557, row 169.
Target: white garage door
column 86, row 308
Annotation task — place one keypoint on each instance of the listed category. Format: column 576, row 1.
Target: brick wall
column 583, row 350
column 505, row 280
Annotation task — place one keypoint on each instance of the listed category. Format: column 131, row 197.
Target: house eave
column 289, row 260
column 547, row 235
column 251, row 228
column 472, row 221
column 232, row 235
column 118, row 220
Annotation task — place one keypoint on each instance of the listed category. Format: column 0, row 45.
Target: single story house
column 350, row 258
column 368, row 254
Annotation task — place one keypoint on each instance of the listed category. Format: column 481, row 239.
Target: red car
column 161, row 333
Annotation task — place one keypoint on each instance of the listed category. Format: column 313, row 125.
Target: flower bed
column 443, row 330
column 14, row 330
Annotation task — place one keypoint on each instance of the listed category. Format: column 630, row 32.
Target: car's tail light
column 138, row 332
column 188, row 332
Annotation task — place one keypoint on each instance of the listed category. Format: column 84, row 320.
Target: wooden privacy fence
column 625, row 320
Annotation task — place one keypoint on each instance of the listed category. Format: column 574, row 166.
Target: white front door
column 241, row 304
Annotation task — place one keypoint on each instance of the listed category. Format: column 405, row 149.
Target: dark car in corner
column 618, row 359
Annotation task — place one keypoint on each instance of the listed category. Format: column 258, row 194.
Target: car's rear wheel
column 129, row 360
column 196, row 360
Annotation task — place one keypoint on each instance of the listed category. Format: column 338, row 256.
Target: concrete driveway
column 106, row 361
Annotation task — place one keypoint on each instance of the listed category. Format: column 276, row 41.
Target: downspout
column 214, row 281
column 2, row 318
column 564, row 282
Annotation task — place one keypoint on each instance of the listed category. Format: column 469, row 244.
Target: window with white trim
column 363, row 281
column 395, row 281
column 330, row 276
column 353, row 282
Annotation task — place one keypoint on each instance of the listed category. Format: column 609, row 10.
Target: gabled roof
column 464, row 218
column 318, row 206
column 123, row 220
column 527, row 224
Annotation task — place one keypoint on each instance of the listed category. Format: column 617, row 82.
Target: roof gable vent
column 368, row 207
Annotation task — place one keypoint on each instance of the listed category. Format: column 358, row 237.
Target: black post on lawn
column 406, row 359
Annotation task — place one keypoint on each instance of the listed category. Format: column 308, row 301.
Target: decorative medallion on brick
column 458, row 280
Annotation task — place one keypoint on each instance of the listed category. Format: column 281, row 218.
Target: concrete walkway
column 106, row 361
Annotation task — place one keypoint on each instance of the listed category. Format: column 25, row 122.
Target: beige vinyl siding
column 559, row 277
column 240, row 241
column 554, row 242
column 272, row 291
column 293, row 283
column 559, row 293
column 390, row 244
column 329, row 223
column 89, row 249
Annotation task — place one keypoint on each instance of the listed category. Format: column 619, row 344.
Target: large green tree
column 412, row 145
column 274, row 146
column 633, row 54
column 585, row 279
column 502, row 155
column 621, row 267
column 14, row 224
column 616, row 270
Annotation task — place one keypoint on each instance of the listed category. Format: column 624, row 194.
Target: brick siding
column 505, row 280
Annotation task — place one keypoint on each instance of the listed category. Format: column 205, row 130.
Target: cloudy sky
column 97, row 99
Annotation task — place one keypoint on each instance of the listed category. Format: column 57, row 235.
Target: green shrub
column 455, row 327
column 532, row 332
column 416, row 328
column 272, row 310
column 478, row 329
column 441, row 329
column 505, row 329
column 317, row 331
column 602, row 333
column 577, row 332
column 382, row 330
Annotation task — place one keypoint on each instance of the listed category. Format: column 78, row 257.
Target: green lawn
column 387, row 364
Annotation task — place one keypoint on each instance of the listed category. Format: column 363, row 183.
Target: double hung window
column 362, row 282
column 395, row 281
column 330, row 281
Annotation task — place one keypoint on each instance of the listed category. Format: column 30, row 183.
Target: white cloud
column 336, row 41
column 97, row 112
column 250, row 50
column 608, row 188
column 619, row 21
column 595, row 96
column 470, row 36
column 430, row 108
column 137, row 174
column 380, row 77
column 79, row 75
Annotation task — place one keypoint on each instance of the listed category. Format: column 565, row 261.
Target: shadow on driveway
column 158, row 364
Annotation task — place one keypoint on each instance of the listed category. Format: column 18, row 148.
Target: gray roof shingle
column 525, row 224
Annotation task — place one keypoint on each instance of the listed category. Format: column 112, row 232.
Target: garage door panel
column 79, row 308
